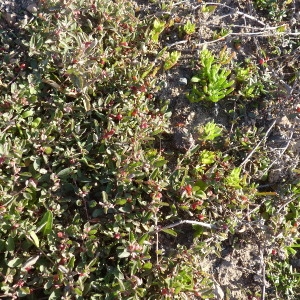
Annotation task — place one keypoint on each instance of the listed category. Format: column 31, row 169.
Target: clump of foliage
column 212, row 81
column 85, row 192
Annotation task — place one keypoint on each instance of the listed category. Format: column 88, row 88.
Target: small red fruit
column 134, row 112
column 63, row 261
column 22, row 66
column 201, row 217
column 87, row 44
column 274, row 251
column 60, row 234
column 196, row 204
column 261, row 61
column 144, row 125
column 119, row 117
column 165, row 291
column 150, row 96
column 55, row 277
column 61, row 247
column 188, row 189
column 117, row 236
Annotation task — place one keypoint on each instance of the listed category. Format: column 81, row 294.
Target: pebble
column 10, row 18
column 32, row 8
column 183, row 81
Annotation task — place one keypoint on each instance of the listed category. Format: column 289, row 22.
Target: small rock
column 295, row 263
column 183, row 81
column 285, row 122
column 219, row 294
column 32, row 8
column 10, row 18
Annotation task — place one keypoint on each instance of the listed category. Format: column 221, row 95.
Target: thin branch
column 157, row 261
column 282, row 152
column 255, row 148
column 235, row 11
column 206, row 225
column 263, row 273
column 176, row 43
column 286, row 203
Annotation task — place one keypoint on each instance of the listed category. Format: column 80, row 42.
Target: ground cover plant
column 109, row 190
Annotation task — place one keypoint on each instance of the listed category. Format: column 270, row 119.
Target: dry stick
column 206, row 225
column 256, row 208
column 156, row 240
column 253, row 151
column 236, row 11
column 267, row 32
column 263, row 271
column 282, row 152
column 261, row 33
column 286, row 203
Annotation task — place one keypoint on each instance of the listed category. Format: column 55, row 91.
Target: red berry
column 61, row 247
column 117, row 236
column 142, row 89
column 150, row 96
column 165, row 291
column 134, row 112
column 63, row 261
column 87, row 44
column 55, row 277
column 188, row 189
column 261, row 61
column 119, row 117
column 201, row 217
column 22, row 66
column 60, row 234
column 196, row 204
column 144, row 125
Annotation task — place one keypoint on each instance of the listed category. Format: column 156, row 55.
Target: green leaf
column 65, row 172
column 27, row 113
column 46, row 223
column 63, row 269
column 147, row 266
column 87, row 102
column 30, row 262
column 23, row 291
column 71, row 262
column 14, row 262
column 124, row 254
column 36, row 122
column 195, row 79
column 170, row 231
column 171, row 60
column 34, row 238
column 10, row 244
column 78, row 291
column 143, row 238
column 56, row 294
column 160, row 163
